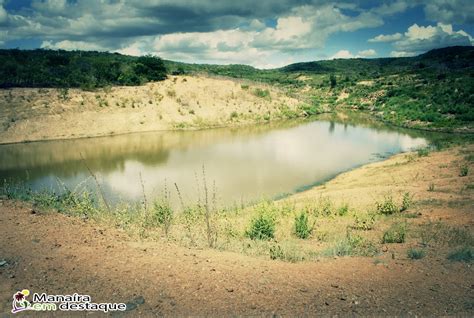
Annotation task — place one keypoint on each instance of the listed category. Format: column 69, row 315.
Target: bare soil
column 53, row 253
column 180, row 102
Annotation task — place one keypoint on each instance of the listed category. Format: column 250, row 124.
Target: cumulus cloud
column 261, row 33
column 386, row 38
column 367, row 53
column 346, row 54
column 450, row 11
column 418, row 39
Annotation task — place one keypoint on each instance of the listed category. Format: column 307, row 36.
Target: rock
column 335, row 285
column 3, row 262
column 384, row 248
column 139, row 300
column 303, row 290
column 229, row 289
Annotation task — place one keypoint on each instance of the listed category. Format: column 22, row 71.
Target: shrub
column 387, row 206
column 302, row 228
column 364, row 221
column 343, row 209
column 244, row 86
column 423, row 152
column 262, row 227
column 395, row 234
column 261, row 92
column 464, row 171
column 233, row 115
column 163, row 214
column 276, row 252
column 464, row 254
column 354, row 245
column 406, row 201
column 414, row 253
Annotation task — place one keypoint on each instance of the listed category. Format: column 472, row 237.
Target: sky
column 261, row 33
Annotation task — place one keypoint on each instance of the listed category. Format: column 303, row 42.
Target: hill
column 432, row 91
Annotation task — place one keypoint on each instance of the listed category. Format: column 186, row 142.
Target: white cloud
column 419, row 39
column 72, row 45
column 367, row 53
column 450, row 11
column 346, row 54
column 342, row 54
column 386, row 38
column 401, row 54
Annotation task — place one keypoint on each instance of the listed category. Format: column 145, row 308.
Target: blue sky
column 261, row 33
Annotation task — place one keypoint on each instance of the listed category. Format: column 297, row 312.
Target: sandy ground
column 30, row 114
column 48, row 252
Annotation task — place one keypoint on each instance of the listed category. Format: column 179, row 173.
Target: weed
column 406, row 201
column 387, row 206
column 352, row 245
column 233, row 115
column 262, row 227
column 364, row 221
column 431, row 187
column 463, row 254
column 244, row 86
column 276, row 252
column 395, row 234
column 302, row 228
column 343, row 209
column 443, row 234
column 423, row 152
column 464, row 171
column 162, row 215
column 262, row 93
column 414, row 253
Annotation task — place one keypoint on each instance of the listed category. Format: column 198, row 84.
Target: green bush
column 423, row 152
column 364, row 221
column 343, row 209
column 163, row 214
column 414, row 253
column 352, row 245
column 464, row 171
column 387, row 206
column 302, row 228
column 406, row 201
column 263, row 93
column 395, row 234
column 262, row 227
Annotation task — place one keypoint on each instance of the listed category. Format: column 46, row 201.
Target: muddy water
column 245, row 164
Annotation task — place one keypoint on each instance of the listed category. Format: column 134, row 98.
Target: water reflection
column 246, row 163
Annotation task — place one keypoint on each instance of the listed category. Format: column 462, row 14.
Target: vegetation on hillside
column 88, row 70
column 432, row 91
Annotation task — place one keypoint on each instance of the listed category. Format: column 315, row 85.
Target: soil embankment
column 180, row 102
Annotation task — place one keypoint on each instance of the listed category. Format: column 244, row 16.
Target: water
column 245, row 164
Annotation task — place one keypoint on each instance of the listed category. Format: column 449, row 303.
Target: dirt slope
column 58, row 254
column 28, row 114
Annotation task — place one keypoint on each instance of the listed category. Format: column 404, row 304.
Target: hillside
column 180, row 102
column 432, row 91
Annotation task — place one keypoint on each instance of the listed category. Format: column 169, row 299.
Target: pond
column 239, row 165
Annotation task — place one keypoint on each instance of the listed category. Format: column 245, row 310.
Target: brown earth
column 53, row 253
column 180, row 102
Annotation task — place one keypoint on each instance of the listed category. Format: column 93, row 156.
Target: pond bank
column 48, row 251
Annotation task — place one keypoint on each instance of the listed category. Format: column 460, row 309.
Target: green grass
column 463, row 254
column 414, row 253
column 395, row 234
